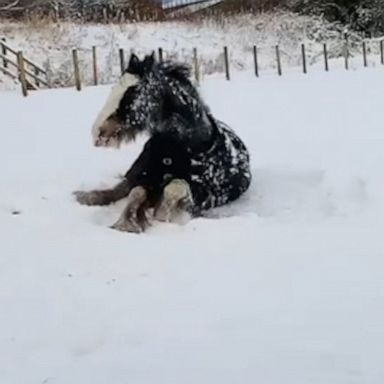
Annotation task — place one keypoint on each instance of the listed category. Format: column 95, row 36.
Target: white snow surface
column 284, row 286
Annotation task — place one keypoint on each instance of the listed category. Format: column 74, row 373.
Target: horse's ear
column 134, row 65
column 149, row 61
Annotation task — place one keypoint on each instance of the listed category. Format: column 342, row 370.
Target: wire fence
column 85, row 68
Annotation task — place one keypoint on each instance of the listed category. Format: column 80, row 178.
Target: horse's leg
column 176, row 197
column 105, row 196
column 122, row 189
column 133, row 217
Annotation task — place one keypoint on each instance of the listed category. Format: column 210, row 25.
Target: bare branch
column 9, row 6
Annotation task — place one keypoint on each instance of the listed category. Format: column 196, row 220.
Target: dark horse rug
column 191, row 162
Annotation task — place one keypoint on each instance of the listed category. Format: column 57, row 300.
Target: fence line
column 34, row 74
column 31, row 75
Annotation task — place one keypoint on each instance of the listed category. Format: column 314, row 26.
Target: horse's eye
column 167, row 161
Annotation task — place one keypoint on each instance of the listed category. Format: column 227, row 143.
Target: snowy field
column 284, row 286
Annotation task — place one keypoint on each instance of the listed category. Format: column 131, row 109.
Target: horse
column 192, row 162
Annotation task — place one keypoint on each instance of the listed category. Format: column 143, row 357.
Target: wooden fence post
column 304, row 58
column 37, row 72
column 279, row 69
column 226, row 62
column 122, row 60
column 255, row 60
column 76, row 69
column 94, row 65
column 196, row 65
column 365, row 54
column 22, row 77
column 160, row 54
column 382, row 51
column 4, row 52
column 346, row 53
column 325, row 50
column 49, row 74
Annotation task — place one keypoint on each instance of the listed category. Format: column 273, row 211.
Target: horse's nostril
column 97, row 143
column 102, row 132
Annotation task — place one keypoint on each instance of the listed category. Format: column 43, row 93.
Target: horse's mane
column 177, row 71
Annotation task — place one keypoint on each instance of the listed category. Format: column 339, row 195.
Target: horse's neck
column 192, row 132
column 188, row 119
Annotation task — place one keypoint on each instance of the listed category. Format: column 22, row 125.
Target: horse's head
column 130, row 105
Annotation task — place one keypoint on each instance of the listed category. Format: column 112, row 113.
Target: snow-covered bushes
column 360, row 15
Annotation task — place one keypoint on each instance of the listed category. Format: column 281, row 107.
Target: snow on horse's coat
column 163, row 102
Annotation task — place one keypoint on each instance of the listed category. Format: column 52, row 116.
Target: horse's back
column 221, row 174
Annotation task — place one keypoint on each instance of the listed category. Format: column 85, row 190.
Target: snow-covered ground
column 284, row 286
column 50, row 45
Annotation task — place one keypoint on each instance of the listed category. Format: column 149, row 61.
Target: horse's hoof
column 163, row 214
column 87, row 198
column 175, row 196
column 128, row 225
column 83, row 197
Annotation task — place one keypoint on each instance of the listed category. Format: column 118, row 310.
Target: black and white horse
column 191, row 161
